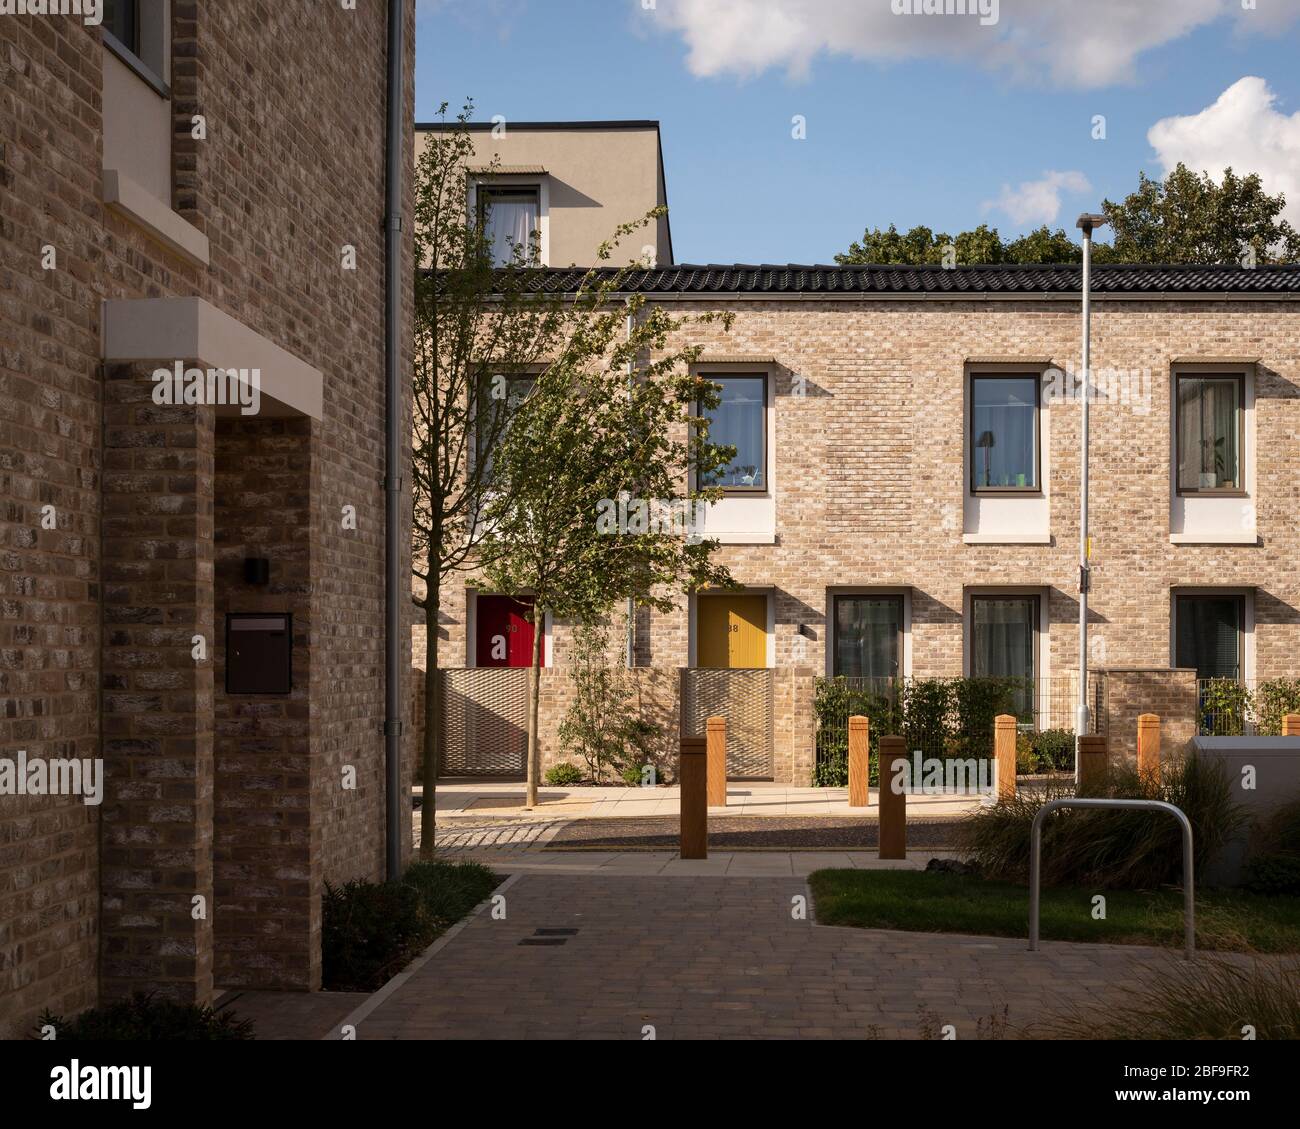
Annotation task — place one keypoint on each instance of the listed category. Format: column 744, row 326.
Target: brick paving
column 771, row 833
column 714, row 957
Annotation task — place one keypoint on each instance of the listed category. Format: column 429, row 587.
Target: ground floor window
column 1210, row 632
column 868, row 636
column 1004, row 637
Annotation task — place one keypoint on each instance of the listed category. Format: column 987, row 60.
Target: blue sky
column 911, row 118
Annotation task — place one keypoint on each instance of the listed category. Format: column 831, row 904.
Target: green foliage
column 943, row 718
column 1211, row 998
column 834, row 702
column 603, row 724
column 1273, row 700
column 1185, row 218
column 1052, row 750
column 1273, row 875
column 371, row 930
column 1226, row 706
column 1191, row 218
column 564, row 775
column 145, row 1018
column 1110, row 849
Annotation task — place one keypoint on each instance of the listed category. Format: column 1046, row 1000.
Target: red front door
column 504, row 634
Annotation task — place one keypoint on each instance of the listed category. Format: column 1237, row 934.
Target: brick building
column 905, row 500
column 191, row 591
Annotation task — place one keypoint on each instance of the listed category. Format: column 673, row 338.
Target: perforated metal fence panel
column 483, row 722
column 744, row 698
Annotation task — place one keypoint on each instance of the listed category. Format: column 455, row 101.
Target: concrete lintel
column 167, row 330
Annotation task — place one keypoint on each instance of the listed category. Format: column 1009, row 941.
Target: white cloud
column 1036, row 202
column 1242, row 129
column 1060, row 42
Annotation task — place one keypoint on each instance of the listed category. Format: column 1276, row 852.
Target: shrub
column 448, row 891
column 835, row 701
column 372, row 930
column 1273, row 874
column 369, row 931
column 978, row 701
column 927, row 709
column 144, row 1018
column 1054, row 749
column 564, row 775
column 1110, row 849
column 1225, row 706
column 603, row 724
column 1212, row 998
column 1273, row 701
column 1027, row 761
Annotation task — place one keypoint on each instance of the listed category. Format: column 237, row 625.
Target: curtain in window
column 1209, row 426
column 510, row 222
column 1002, row 636
column 1209, row 635
column 739, row 422
column 868, row 631
column 1004, row 424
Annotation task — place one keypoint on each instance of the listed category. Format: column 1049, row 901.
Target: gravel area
column 739, row 833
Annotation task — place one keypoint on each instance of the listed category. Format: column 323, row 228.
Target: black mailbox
column 259, row 653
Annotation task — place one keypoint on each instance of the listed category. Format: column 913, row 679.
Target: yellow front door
column 731, row 632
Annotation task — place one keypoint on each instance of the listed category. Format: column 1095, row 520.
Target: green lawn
column 947, row 903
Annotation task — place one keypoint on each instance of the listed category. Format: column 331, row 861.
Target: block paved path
column 714, row 957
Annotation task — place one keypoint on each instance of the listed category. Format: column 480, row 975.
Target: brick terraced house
column 192, row 575
column 905, row 503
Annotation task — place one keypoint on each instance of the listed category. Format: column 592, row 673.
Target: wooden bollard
column 893, row 804
column 717, row 761
column 1005, row 732
column 1093, row 770
column 692, row 773
column 1149, row 747
column 1291, row 725
column 859, row 762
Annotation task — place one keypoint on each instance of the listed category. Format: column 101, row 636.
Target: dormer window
column 511, row 219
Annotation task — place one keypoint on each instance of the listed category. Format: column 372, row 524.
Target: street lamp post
column 1086, row 224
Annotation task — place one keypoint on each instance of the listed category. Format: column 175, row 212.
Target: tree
column 1183, row 219
column 591, row 498
column 477, row 328
column 1191, row 219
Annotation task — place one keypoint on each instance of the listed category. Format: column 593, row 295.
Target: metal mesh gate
column 483, row 718
column 744, row 698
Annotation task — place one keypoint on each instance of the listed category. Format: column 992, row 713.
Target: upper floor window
column 122, row 19
column 511, row 219
column 499, row 399
column 739, row 421
column 1211, row 428
column 1004, row 435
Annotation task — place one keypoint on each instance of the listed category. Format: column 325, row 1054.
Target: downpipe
column 394, row 417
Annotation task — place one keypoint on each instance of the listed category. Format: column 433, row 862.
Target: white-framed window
column 1006, row 453
column 514, row 210
column 1212, row 460
column 739, row 422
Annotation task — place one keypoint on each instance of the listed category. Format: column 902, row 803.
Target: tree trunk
column 534, row 700
column 431, row 723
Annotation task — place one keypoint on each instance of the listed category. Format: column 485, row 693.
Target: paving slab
column 728, row 957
